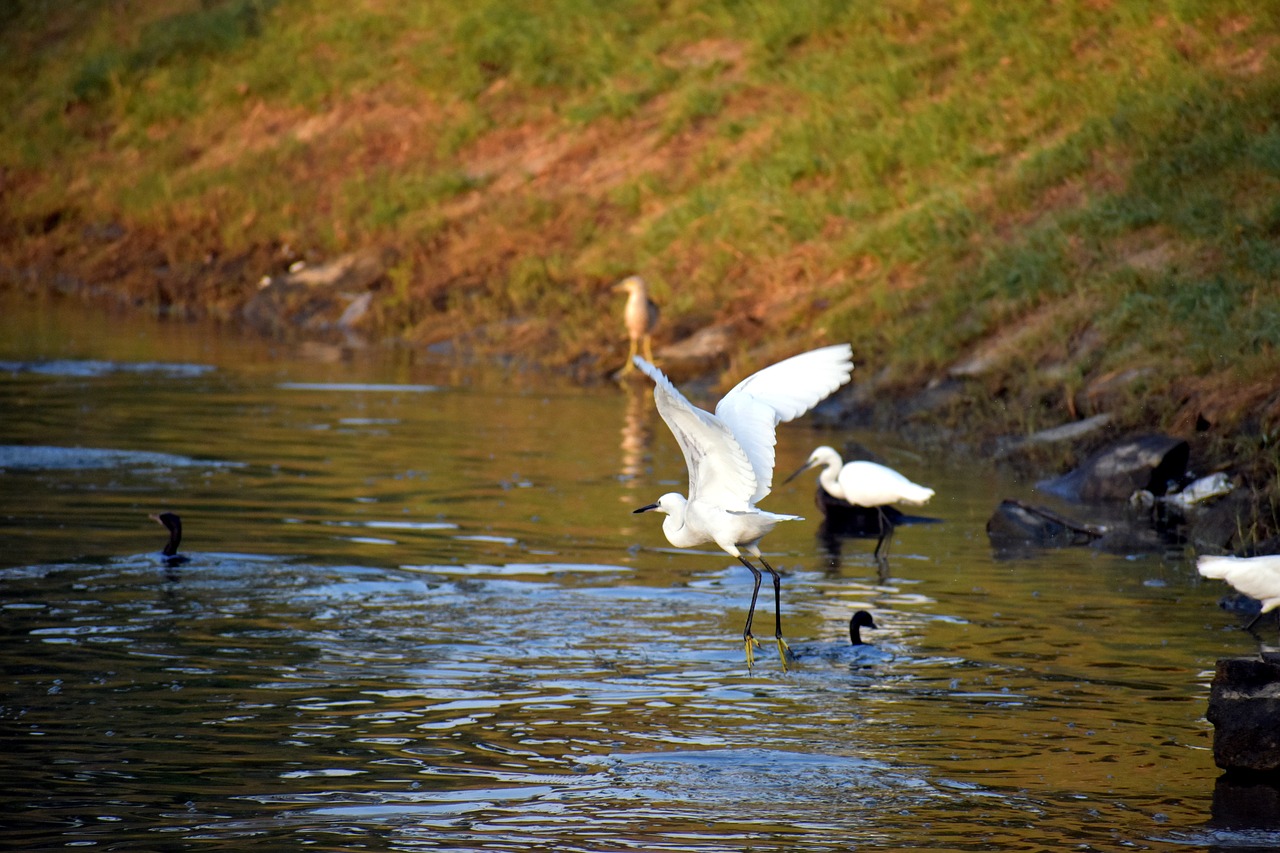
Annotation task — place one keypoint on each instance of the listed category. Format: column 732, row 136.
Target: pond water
column 419, row 614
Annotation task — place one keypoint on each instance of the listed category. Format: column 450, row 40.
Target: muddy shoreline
column 342, row 304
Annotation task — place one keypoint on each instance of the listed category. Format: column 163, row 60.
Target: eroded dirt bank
column 337, row 304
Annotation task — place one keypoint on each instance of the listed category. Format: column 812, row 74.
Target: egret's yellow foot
column 783, row 651
column 750, row 641
column 648, row 349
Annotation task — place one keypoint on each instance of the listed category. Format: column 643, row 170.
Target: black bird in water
column 173, row 524
column 857, row 651
column 861, row 619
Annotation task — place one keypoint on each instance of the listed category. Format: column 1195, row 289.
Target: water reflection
column 412, row 619
column 1246, row 813
column 637, row 434
column 840, row 522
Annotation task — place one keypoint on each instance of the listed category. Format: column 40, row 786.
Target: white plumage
column 865, row 484
column 730, row 457
column 1256, row 577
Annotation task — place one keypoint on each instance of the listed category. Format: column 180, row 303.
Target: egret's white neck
column 675, row 506
column 829, row 478
column 676, row 527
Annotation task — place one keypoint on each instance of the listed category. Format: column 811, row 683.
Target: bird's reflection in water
column 842, row 521
column 637, row 435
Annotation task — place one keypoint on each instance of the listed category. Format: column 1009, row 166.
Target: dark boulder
column 1016, row 524
column 1149, row 463
column 1244, row 707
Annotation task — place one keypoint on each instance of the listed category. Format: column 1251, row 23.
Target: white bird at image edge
column 730, row 457
column 1256, row 577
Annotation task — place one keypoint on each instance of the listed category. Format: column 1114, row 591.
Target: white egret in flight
column 730, row 457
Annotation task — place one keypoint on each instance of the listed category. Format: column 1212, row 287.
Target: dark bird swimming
column 173, row 523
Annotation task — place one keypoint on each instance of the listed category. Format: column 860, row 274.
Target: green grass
column 912, row 175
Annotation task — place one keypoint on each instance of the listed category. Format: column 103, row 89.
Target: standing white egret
column 640, row 316
column 865, row 484
column 1256, row 577
column 730, row 459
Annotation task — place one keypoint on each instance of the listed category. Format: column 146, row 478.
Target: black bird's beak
column 644, row 509
column 805, row 467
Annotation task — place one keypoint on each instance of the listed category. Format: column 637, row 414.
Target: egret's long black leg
column 777, row 597
column 1254, row 621
column 886, row 534
column 747, row 639
column 777, row 611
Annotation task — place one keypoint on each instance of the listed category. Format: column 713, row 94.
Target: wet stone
column 1244, row 707
column 1015, row 523
column 1143, row 463
column 703, row 351
column 1217, row 526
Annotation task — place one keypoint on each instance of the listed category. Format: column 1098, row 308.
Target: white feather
column 719, row 470
column 779, row 393
column 863, row 483
column 1256, row 577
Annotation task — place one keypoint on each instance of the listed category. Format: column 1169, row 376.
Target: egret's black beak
column 805, row 467
column 644, row 509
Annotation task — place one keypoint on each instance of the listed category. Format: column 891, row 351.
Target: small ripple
column 20, row 457
column 354, row 387
column 519, row 569
column 89, row 368
column 323, row 773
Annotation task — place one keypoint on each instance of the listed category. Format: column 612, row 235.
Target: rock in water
column 1015, row 523
column 1244, row 707
column 1148, row 462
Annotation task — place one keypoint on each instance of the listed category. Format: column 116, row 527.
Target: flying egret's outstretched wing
column 719, row 470
column 781, row 392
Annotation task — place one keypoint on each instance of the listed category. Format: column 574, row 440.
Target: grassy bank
column 1066, row 207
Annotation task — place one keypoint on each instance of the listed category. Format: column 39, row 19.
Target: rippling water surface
column 419, row 614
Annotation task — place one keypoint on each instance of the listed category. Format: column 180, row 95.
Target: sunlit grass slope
column 1078, row 202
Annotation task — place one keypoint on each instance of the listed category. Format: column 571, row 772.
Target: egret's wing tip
column 649, row 370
